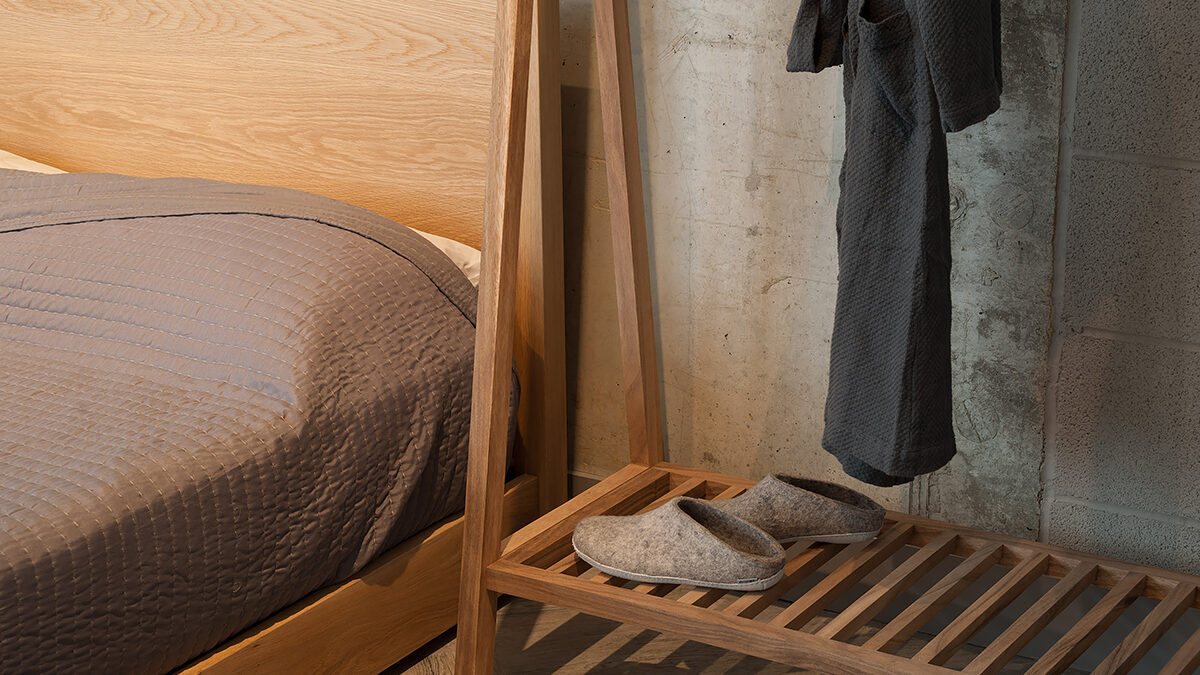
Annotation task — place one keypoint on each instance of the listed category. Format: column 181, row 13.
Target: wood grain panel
column 380, row 104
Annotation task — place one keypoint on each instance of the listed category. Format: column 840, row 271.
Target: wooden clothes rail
column 942, row 561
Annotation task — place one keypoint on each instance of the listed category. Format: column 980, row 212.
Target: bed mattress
column 214, row 399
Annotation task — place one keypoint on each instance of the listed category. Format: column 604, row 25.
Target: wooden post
column 494, row 336
column 631, row 256
column 541, row 333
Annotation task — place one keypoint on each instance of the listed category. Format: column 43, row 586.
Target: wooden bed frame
column 539, row 564
column 387, row 105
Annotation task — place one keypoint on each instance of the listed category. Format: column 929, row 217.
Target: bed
column 234, row 422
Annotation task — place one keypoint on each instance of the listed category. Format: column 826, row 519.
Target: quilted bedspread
column 214, row 399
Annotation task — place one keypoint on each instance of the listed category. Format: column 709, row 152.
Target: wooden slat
column 488, row 449
column 551, row 543
column 1187, row 660
column 1032, row 621
column 657, row 590
column 889, row 588
column 570, row 564
column 774, row 643
column 1159, row 582
column 701, row 597
column 608, row 580
column 692, row 487
column 942, row 593
column 1080, row 636
column 682, row 470
column 1157, row 622
column 579, row 502
column 797, row 569
column 994, row 599
column 729, row 493
column 631, row 256
column 840, row 580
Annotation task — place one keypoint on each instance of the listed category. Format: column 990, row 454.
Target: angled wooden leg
column 494, row 338
column 631, row 256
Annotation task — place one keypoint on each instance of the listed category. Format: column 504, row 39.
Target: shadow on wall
column 575, row 171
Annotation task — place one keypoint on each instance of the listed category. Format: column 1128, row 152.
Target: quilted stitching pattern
column 215, row 399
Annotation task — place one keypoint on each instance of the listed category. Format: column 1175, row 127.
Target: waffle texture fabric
column 912, row 70
column 215, row 400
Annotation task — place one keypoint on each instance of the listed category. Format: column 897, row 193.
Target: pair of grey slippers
column 734, row 544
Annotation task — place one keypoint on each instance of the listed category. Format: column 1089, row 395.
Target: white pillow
column 11, row 161
column 466, row 257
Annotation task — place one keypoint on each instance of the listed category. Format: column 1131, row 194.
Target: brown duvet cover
column 214, row 399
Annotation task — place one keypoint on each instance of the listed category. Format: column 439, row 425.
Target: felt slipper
column 684, row 541
column 799, row 509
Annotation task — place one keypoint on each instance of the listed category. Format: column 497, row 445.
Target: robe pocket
column 886, row 58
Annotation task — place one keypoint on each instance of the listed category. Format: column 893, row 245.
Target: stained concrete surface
column 741, row 161
column 1002, row 204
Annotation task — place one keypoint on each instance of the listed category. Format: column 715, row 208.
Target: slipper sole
column 748, row 585
column 846, row 538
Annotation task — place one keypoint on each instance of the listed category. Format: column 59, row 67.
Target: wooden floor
column 536, row 639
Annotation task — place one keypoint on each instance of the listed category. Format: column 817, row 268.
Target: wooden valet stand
column 538, row 562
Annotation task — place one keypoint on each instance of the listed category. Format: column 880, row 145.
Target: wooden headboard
column 380, row 103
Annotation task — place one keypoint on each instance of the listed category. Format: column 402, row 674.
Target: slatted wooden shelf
column 542, row 566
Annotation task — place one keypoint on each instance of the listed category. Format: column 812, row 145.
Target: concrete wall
column 741, row 160
column 1122, row 455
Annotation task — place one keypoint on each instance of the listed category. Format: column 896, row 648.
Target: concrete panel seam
column 1118, row 509
column 1134, row 338
column 1134, row 158
column 1070, row 86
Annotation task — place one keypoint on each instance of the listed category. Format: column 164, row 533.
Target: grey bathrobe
column 913, row 70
